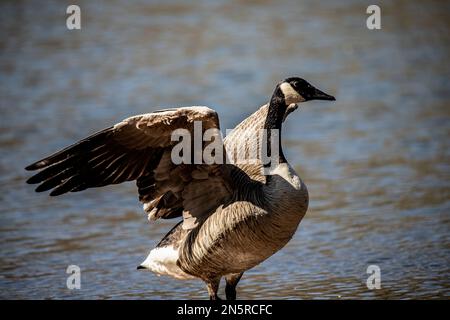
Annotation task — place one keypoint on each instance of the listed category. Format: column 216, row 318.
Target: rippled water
column 376, row 162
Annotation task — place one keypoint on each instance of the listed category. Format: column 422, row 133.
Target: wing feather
column 139, row 148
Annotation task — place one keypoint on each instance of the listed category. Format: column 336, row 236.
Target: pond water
column 376, row 162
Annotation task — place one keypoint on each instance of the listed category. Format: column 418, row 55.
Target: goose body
column 234, row 215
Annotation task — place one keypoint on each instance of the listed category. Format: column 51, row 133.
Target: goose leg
column 213, row 286
column 232, row 281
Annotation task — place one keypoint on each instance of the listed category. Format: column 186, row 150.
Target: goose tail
column 162, row 260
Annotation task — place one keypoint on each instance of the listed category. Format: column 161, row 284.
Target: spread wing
column 139, row 148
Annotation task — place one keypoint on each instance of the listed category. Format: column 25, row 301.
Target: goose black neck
column 274, row 121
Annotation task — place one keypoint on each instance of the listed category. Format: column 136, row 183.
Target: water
column 376, row 162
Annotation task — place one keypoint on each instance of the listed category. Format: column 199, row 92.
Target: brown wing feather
column 138, row 148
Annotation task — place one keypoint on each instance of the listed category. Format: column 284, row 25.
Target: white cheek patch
column 290, row 95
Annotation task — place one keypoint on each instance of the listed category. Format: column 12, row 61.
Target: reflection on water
column 376, row 162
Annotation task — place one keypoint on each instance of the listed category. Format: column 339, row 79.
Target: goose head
column 296, row 90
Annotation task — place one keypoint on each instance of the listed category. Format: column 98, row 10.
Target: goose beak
column 320, row 95
column 140, row 267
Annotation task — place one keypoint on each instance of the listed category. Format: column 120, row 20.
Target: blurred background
column 376, row 162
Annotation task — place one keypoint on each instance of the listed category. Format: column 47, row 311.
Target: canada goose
column 234, row 215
